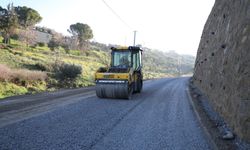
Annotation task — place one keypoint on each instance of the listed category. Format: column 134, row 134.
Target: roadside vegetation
column 38, row 69
column 29, row 70
column 30, row 63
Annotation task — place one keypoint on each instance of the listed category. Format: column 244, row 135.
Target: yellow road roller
column 123, row 77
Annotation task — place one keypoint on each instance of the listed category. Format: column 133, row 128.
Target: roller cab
column 123, row 77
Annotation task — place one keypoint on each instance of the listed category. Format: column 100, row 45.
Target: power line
column 116, row 14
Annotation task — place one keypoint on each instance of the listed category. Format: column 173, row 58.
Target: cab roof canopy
column 126, row 48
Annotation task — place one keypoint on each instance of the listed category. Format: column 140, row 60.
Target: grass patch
column 11, row 89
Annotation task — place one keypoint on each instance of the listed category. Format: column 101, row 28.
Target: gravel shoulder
column 214, row 125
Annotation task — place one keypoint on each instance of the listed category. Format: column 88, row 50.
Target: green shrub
column 64, row 72
column 14, row 36
column 67, row 51
column 40, row 66
column 53, row 44
column 66, row 48
column 41, row 44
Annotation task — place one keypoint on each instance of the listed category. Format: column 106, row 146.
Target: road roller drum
column 113, row 90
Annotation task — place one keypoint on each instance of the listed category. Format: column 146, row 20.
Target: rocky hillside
column 222, row 68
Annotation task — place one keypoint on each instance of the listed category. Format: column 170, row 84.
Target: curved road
column 158, row 118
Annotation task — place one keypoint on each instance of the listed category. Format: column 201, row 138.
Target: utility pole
column 179, row 65
column 134, row 37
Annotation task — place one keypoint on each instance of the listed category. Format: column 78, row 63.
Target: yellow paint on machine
column 124, row 76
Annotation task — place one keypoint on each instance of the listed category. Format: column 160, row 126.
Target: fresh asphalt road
column 161, row 117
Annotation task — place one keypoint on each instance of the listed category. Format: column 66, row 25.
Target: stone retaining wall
column 222, row 68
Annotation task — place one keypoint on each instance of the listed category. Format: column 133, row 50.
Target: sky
column 165, row 25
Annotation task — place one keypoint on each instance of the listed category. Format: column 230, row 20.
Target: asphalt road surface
column 161, row 117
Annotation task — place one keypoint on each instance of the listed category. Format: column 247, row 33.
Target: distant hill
column 169, row 63
column 159, row 64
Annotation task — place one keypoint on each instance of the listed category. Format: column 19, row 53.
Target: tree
column 82, row 32
column 14, row 17
column 53, row 44
column 57, row 40
column 8, row 22
column 28, row 36
column 27, row 17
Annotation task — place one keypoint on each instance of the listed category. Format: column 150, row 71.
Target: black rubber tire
column 140, row 85
column 130, row 91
